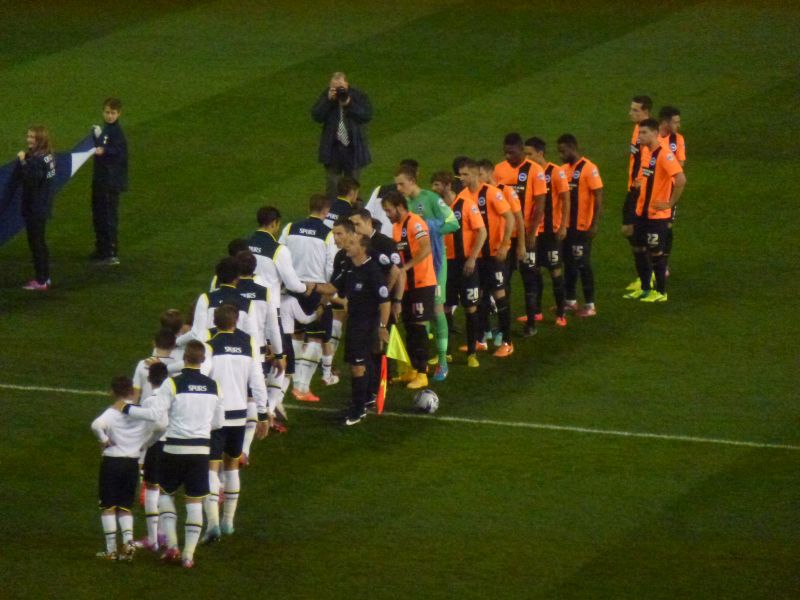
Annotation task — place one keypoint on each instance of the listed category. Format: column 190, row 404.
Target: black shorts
column 361, row 342
column 152, row 462
column 652, row 234
column 629, row 207
column 227, row 440
column 548, row 251
column 418, row 304
column 491, row 274
column 577, row 246
column 117, row 482
column 187, row 470
column 462, row 289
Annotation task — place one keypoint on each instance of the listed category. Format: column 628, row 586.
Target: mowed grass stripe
column 469, row 421
column 185, row 57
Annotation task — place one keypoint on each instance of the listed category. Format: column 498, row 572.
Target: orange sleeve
column 671, row 164
column 512, row 198
column 594, row 181
column 473, row 217
column 559, row 181
column 539, row 183
column 680, row 153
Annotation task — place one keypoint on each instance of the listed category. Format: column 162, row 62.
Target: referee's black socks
column 359, row 387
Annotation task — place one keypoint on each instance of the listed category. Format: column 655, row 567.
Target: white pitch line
column 494, row 423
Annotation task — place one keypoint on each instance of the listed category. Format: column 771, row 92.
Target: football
column 426, row 401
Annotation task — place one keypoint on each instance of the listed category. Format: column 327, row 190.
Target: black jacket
column 111, row 168
column 356, row 115
column 36, row 175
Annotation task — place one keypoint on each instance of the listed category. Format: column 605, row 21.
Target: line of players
column 276, row 310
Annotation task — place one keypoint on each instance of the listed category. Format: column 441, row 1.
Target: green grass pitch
column 217, row 98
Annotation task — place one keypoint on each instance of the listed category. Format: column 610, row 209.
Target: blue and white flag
column 67, row 164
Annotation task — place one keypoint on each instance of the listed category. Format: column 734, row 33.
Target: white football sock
column 211, row 502
column 336, row 335
column 125, row 518
column 327, row 362
column 275, row 391
column 110, row 531
column 311, row 357
column 250, row 427
column 231, row 497
column 151, row 514
column 194, row 524
column 168, row 517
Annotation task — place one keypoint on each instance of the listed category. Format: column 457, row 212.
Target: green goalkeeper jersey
column 431, row 207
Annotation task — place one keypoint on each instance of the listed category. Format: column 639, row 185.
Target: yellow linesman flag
column 396, row 349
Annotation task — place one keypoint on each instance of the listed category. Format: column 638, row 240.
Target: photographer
column 343, row 111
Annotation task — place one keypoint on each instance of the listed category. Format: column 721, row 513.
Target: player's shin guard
column 359, row 389
column 336, row 335
column 151, row 514
column 417, row 339
column 194, row 524
column 472, row 327
column 306, row 369
column 570, row 278
column 539, row 289
column 327, row 363
column 504, row 318
column 643, row 268
column 168, row 518
column 250, row 427
column 110, row 531
column 442, row 335
column 660, row 270
column 232, row 485
column 558, row 292
column 125, row 518
column 587, row 280
column 211, row 502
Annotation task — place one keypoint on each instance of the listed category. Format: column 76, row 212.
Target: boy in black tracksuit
column 109, row 179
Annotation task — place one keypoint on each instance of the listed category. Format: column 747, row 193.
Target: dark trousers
column 105, row 217
column 35, row 228
column 342, row 163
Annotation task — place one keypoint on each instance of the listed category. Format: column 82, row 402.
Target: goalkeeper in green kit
column 441, row 221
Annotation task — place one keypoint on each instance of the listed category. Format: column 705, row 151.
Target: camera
column 342, row 93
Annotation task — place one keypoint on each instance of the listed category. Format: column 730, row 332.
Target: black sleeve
column 378, row 285
column 322, row 107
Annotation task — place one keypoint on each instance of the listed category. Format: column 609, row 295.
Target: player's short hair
column 346, row 185
column 267, row 215
column 247, row 262
column 156, row 374
column 408, row 172
column 650, row 124
column 164, row 339
column 225, row 316
column 122, row 386
column 568, row 139
column 512, row 139
column 411, row 164
column 485, row 164
column 395, row 198
column 444, row 177
column 171, row 319
column 536, row 143
column 318, row 203
column 227, row 270
column 667, row 112
column 237, row 245
column 112, row 103
column 469, row 163
column 346, row 223
column 363, row 214
column 457, row 162
column 645, row 101
column 195, row 352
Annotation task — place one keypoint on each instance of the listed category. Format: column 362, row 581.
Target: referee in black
column 368, row 308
